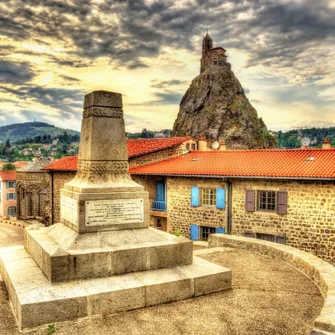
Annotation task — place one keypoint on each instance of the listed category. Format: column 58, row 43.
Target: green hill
column 20, row 131
column 292, row 138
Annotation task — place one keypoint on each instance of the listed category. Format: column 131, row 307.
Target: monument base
column 36, row 301
column 64, row 254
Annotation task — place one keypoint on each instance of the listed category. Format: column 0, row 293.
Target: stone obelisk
column 102, row 195
column 102, row 257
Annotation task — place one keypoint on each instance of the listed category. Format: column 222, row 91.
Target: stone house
column 285, row 196
column 7, row 193
column 140, row 152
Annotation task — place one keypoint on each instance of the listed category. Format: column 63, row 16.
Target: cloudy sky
column 55, row 51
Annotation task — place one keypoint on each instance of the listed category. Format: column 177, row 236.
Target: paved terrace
column 268, row 297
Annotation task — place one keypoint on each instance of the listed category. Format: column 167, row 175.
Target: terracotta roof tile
column 135, row 148
column 300, row 163
column 8, row 174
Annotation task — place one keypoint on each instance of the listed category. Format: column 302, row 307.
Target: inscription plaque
column 119, row 211
column 69, row 209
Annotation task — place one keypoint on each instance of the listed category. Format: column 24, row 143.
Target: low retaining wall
column 319, row 271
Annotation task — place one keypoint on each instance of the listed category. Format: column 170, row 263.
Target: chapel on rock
column 212, row 56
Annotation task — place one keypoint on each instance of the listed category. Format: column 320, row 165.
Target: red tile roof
column 144, row 146
column 135, row 148
column 8, row 174
column 300, row 163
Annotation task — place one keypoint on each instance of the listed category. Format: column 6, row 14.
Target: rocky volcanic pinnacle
column 215, row 106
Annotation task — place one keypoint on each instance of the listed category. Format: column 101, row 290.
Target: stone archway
column 32, row 200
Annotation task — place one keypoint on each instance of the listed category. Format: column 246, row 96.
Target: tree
column 8, row 166
column 7, row 145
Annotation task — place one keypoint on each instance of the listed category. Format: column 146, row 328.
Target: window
column 188, row 146
column 267, row 237
column 193, row 147
column 11, row 196
column 208, row 196
column 11, row 184
column 266, row 201
column 158, row 223
column 11, row 211
column 205, row 231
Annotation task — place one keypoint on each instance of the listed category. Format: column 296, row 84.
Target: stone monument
column 102, row 257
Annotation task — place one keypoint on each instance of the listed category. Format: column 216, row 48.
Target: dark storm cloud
column 168, row 83
column 70, row 79
column 15, row 72
column 272, row 32
column 66, row 101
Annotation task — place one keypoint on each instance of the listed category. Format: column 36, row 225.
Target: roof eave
column 235, row 177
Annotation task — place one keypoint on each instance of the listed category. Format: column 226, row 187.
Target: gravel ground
column 268, row 298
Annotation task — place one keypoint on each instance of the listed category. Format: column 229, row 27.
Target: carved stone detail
column 112, row 112
column 103, row 166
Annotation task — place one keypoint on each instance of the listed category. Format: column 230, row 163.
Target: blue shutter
column 194, row 232
column 219, row 230
column 14, row 196
column 14, row 184
column 7, row 196
column 195, row 196
column 220, row 198
column 7, row 184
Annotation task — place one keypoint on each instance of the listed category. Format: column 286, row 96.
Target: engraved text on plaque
column 119, row 211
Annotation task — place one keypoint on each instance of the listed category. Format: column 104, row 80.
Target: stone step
column 65, row 255
column 36, row 301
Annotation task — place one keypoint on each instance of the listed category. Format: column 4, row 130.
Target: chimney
column 222, row 146
column 326, row 144
column 202, row 144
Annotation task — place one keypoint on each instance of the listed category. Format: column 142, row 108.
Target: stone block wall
column 180, row 212
column 310, row 220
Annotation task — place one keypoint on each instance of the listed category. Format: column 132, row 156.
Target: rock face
column 215, row 106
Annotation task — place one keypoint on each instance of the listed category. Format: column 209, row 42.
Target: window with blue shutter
column 194, row 232
column 195, row 196
column 219, row 230
column 220, row 198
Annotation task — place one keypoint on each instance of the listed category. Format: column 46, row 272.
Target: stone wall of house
column 309, row 222
column 180, row 212
column 28, row 185
column 158, row 155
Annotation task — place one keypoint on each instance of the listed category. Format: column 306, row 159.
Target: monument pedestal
column 36, row 301
column 102, row 257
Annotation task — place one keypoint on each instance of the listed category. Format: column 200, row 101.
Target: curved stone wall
column 319, row 271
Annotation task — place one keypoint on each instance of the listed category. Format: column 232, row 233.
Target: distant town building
column 7, row 193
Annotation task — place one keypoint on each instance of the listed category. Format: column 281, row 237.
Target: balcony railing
column 158, row 206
